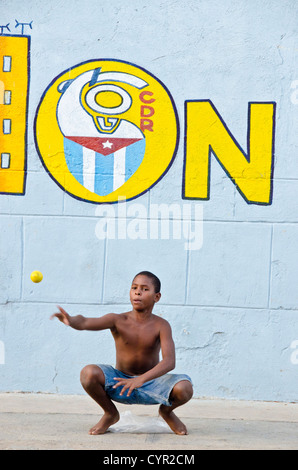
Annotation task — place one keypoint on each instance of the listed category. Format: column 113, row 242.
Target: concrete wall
column 232, row 302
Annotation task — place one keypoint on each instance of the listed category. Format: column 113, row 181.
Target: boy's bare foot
column 172, row 420
column 104, row 423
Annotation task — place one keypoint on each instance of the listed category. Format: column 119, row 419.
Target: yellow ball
column 36, row 276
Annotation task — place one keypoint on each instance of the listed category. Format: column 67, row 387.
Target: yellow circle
column 36, row 276
column 152, row 110
column 108, row 99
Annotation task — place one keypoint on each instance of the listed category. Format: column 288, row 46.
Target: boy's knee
column 182, row 391
column 91, row 374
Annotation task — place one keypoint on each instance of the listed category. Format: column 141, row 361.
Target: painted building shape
column 14, row 84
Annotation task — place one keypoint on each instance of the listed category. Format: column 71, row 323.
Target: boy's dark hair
column 156, row 282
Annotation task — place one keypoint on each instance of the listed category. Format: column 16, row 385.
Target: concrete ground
column 61, row 422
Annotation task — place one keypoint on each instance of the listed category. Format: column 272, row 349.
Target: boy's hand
column 62, row 316
column 128, row 384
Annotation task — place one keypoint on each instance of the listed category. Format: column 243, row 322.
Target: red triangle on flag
column 105, row 146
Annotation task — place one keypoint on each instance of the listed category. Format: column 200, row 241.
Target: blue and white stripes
column 103, row 174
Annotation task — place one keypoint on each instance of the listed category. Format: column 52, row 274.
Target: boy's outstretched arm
column 79, row 322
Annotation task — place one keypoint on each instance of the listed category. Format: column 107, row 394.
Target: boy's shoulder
column 161, row 322
column 159, row 318
column 122, row 315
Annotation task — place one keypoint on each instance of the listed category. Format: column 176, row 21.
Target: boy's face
column 142, row 293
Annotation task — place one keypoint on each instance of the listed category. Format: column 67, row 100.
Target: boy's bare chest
column 137, row 336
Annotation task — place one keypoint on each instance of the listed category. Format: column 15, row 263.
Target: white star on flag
column 107, row 144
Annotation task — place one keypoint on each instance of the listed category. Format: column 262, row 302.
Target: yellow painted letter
column 14, row 80
column 206, row 132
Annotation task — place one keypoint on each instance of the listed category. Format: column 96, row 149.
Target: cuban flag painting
column 103, row 170
column 102, row 149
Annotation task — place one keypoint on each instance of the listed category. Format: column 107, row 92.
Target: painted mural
column 107, row 130
column 101, row 129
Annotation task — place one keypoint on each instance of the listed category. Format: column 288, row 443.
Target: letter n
column 207, row 133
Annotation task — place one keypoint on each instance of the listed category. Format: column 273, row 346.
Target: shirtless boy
column 139, row 376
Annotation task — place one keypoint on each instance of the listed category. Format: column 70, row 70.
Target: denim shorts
column 154, row 392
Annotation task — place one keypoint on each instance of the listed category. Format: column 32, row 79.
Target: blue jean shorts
column 154, row 392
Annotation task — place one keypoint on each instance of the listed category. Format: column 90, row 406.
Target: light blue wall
column 233, row 303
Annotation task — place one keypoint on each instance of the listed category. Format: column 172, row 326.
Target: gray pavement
column 61, row 422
